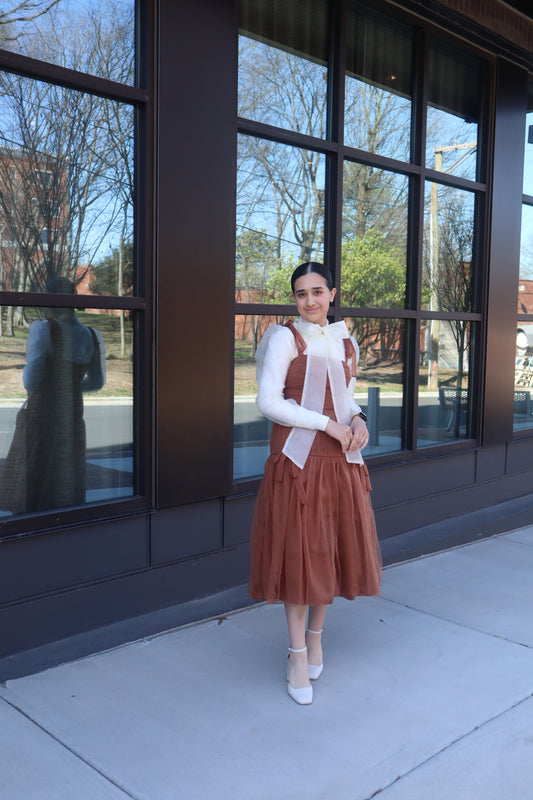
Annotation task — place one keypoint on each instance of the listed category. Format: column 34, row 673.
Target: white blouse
column 279, row 349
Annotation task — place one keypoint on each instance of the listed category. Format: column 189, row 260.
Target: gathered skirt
column 313, row 533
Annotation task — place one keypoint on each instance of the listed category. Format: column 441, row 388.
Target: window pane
column 282, row 64
column 280, row 217
column 378, row 85
column 251, row 430
column 94, row 36
column 523, row 384
column 448, row 278
column 374, row 243
column 445, row 391
column 380, row 380
column 66, row 188
column 66, row 436
column 523, row 407
column 454, row 111
column 528, row 156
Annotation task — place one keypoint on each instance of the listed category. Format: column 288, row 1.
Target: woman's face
column 312, row 298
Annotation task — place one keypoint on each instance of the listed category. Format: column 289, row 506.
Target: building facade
column 206, row 149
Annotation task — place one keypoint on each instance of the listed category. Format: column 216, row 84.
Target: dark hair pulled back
column 310, row 267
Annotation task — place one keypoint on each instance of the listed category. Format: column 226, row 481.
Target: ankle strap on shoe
column 317, row 632
column 302, row 650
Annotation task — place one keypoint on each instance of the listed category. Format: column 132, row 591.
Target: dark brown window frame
column 141, row 99
column 336, row 153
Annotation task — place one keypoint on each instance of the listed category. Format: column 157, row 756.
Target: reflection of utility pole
column 432, row 341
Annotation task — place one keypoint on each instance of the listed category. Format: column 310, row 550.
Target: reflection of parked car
column 524, row 339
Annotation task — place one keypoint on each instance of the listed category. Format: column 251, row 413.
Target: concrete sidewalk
column 427, row 694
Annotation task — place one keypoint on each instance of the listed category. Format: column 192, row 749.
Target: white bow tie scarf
column 322, row 362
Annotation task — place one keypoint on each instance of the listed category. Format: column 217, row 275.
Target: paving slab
column 493, row 763
column 487, row 586
column 524, row 535
column 34, row 766
column 203, row 711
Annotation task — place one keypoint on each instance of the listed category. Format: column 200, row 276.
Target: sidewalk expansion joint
column 451, row 744
column 73, row 752
column 459, row 624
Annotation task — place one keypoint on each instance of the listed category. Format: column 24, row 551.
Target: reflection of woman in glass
column 63, row 359
column 313, row 534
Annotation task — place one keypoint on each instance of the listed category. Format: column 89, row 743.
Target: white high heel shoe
column 304, row 695
column 315, row 670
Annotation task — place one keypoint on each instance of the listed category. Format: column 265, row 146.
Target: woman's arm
column 270, row 400
column 359, row 431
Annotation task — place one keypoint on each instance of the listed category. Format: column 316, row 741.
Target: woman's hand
column 342, row 433
column 359, row 434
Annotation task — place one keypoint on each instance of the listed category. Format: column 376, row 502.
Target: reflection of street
column 252, row 430
column 109, row 429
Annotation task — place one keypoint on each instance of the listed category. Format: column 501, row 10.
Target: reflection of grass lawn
column 119, row 382
column 388, row 376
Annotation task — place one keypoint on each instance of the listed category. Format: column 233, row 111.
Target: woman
column 313, row 533
column 45, row 466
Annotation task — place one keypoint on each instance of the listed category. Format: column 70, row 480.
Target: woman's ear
column 332, row 294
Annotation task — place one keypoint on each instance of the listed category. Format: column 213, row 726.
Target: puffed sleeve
column 37, row 348
column 281, row 350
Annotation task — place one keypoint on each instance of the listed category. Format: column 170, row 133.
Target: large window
column 70, row 290
column 523, row 390
column 379, row 172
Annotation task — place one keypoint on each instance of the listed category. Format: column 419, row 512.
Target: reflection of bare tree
column 280, row 187
column 21, row 12
column 377, row 120
column 279, row 88
column 287, row 180
column 450, row 280
column 115, row 60
column 66, row 162
column 255, row 254
column 375, row 200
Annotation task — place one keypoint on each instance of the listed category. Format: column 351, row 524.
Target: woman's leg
column 314, row 640
column 297, row 671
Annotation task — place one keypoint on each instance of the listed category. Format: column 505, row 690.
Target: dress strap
column 300, row 341
column 351, row 356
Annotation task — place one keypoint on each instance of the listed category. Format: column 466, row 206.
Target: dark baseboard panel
column 108, row 637
column 437, row 537
column 453, row 532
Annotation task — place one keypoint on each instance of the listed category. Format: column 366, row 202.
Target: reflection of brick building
column 83, row 279
column 525, row 297
column 34, row 209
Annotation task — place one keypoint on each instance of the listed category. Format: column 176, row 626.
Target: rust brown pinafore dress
column 313, row 532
